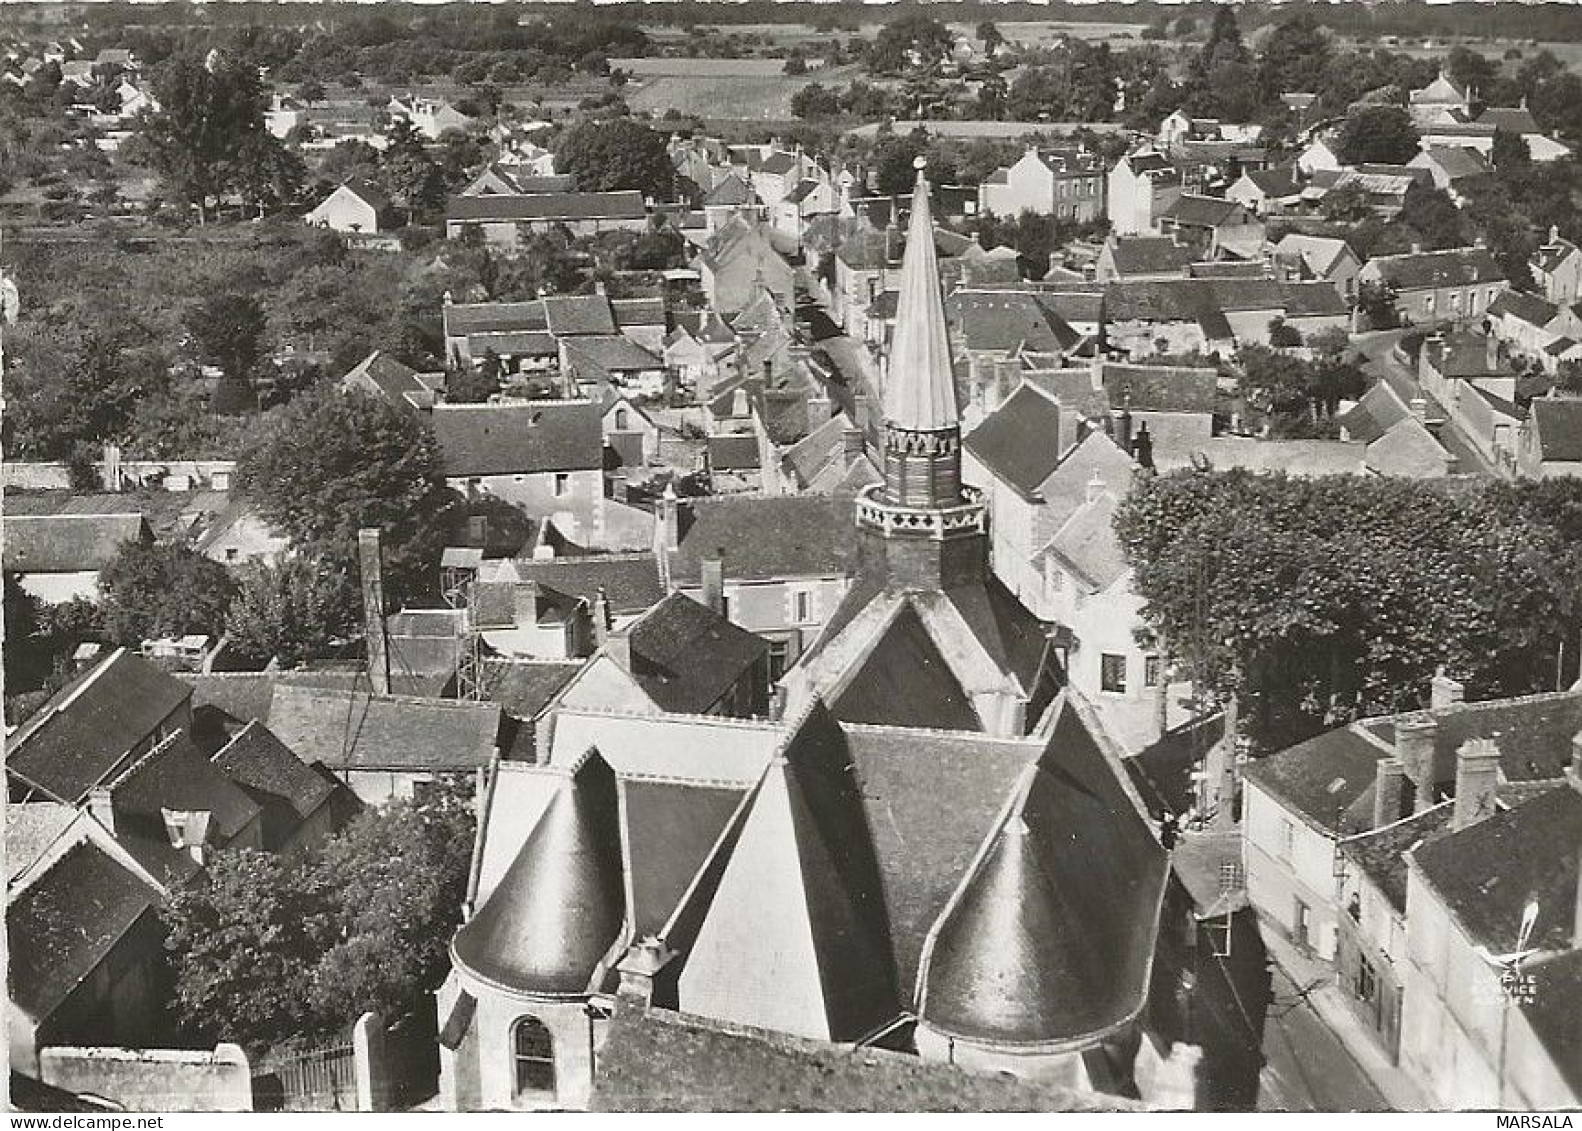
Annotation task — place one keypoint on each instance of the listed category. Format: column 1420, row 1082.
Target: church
column 930, row 848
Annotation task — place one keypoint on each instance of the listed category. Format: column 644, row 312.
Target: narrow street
column 1306, row 1068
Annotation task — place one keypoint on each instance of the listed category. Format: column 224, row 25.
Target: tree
column 893, row 161
column 228, row 331
column 210, row 115
column 332, row 462
column 913, row 40
column 474, row 384
column 311, row 92
column 815, row 101
column 152, row 592
column 269, row 174
column 290, row 611
column 1296, row 56
column 989, row 35
column 1379, row 134
column 1434, row 216
column 795, row 65
column 1377, row 303
column 1510, row 155
column 617, row 154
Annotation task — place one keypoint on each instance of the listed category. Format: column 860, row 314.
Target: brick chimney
column 601, row 617
column 852, row 440
column 668, row 534
column 643, row 960
column 1445, row 692
column 1414, row 746
column 524, row 603
column 101, row 807
column 712, row 570
column 1477, row 776
column 1389, row 779
column 618, row 646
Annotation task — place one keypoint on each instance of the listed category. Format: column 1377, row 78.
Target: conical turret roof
column 920, row 394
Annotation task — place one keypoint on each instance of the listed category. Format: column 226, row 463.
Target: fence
column 319, row 1079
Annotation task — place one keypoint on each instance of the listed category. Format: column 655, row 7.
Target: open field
column 736, row 96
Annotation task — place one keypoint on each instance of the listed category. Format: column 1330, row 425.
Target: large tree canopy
column 617, row 154
column 1322, row 600
column 163, row 590
column 1378, row 134
column 332, row 462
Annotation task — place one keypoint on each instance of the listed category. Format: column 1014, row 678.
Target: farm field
column 765, row 97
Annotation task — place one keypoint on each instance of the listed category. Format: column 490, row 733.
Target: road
column 1306, row 1068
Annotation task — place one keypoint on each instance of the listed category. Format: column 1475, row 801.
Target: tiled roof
column 67, row 543
column 1375, row 414
column 1557, row 421
column 30, row 828
column 64, row 925
column 1149, row 255
column 366, row 191
column 638, row 311
column 578, row 314
column 520, row 438
column 733, row 452
column 523, row 688
column 1533, row 733
column 730, row 192
column 1327, row 779
column 687, row 657
column 526, row 343
column 1535, row 310
column 608, row 354
column 1458, row 161
column 1512, row 119
column 1087, row 544
column 351, row 730
column 1381, row 854
column 176, row 775
column 549, row 206
column 1453, row 267
column 1188, row 300
column 670, row 829
column 85, row 730
column 1008, row 320
column 1275, row 183
column 1553, row 253
column 769, row 537
column 905, row 680
column 630, row 582
column 463, row 318
column 394, row 380
column 1203, row 211
column 1160, row 388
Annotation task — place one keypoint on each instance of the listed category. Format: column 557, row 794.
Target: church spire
column 920, row 395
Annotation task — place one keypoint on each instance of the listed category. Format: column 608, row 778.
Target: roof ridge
column 114, row 779
column 764, row 724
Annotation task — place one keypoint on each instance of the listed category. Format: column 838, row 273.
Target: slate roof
column 353, row 730
column 638, row 311
column 733, row 452
column 1008, row 320
column 1149, row 255
column 609, row 354
column 1328, row 779
column 526, row 343
column 1533, row 733
column 1275, row 183
column 30, row 828
column 463, row 318
column 548, row 207
column 657, row 1060
column 1458, row 161
column 1487, row 872
column 729, row 193
column 395, row 381
column 261, row 764
column 1087, row 544
column 1020, row 441
column 368, row 193
column 630, row 582
column 769, row 537
column 1160, row 388
column 904, row 680
column 1052, row 937
column 1375, row 414
column 85, row 730
column 1189, row 300
column 578, row 314
column 687, row 657
column 1318, row 253
column 559, row 907
column 1535, row 310
column 670, row 827
column 1453, row 267
column 524, row 688
column 1203, row 211
column 1512, row 119
column 1553, row 1014
column 67, row 543
column 1557, row 422
column 519, row 438
column 1381, row 854
column 64, row 925
column 1552, row 254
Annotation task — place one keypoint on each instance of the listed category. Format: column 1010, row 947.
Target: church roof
column 549, row 922
column 921, row 393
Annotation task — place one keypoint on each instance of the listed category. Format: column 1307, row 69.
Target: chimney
column 1417, row 248
column 1388, row 792
column 642, row 961
column 374, row 610
column 1095, row 487
column 1143, row 448
column 1414, row 746
column 1419, row 407
column 112, row 467
column 669, row 524
column 1479, row 241
column 1477, row 775
column 712, row 569
column 860, row 411
column 1123, row 431
column 1445, row 692
column 1554, row 233
column 601, row 617
column 524, row 603
column 598, row 286
column 853, row 443
column 769, row 372
column 101, row 807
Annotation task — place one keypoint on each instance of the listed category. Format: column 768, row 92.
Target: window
column 562, row 484
column 533, row 1049
column 1367, row 983
column 1287, row 840
column 779, row 656
column 1455, row 301
column 801, row 606
column 1302, row 935
column 622, row 419
column 1152, row 671
column 230, row 553
column 1428, row 303
column 1112, row 673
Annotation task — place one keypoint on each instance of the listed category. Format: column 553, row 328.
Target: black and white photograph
column 772, row 556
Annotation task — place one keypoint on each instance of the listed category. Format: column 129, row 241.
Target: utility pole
column 374, row 610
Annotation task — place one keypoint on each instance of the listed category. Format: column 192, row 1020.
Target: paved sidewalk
column 1315, row 982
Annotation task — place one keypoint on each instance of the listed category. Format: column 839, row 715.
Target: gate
column 319, row 1079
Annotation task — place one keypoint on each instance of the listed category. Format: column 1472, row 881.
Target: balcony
column 970, row 517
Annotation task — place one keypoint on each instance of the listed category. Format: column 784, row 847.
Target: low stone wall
column 154, row 1079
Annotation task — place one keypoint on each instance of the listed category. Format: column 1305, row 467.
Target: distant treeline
column 1551, row 22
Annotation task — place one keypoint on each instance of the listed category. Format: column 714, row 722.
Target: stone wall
column 154, row 1079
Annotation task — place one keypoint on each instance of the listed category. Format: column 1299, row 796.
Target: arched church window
column 533, row 1050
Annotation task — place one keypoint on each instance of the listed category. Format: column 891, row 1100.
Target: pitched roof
column 176, row 775
column 30, row 828
column 1276, row 183
column 61, row 927
column 905, row 680
column 67, row 543
column 1149, row 255
column 1381, row 854
column 548, row 206
column 353, row 730
column 1318, row 253
column 368, row 193
column 1010, row 320
column 1553, row 253
column 609, row 354
column 263, row 765
column 730, row 192
column 1193, row 211
column 1457, row 266
column 523, row 688
column 737, row 452
column 1458, row 161
column 578, row 314
column 671, row 827
column 1328, row 779
column 1160, row 388
column 630, row 582
column 396, row 382
column 1512, row 119
column 1087, row 544
column 1375, row 414
column 1020, row 441
column 559, row 907
column 768, row 537
column 463, row 318
column 519, row 438
column 1533, row 733
column 686, row 657
column 86, row 729
column 1557, row 422
column 1535, row 310
column 1189, row 300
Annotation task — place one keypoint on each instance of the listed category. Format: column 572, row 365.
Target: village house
column 1264, row 192
column 1187, row 315
column 738, row 262
column 430, row 117
column 1457, row 284
column 1213, row 227
column 1143, row 258
column 1064, row 183
column 1139, row 189
column 1443, row 100
column 1557, row 268
column 58, row 557
column 501, row 220
column 355, row 207
column 500, row 180
column 1453, row 168
column 1550, row 442
column 1466, row 374
column 1299, row 257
